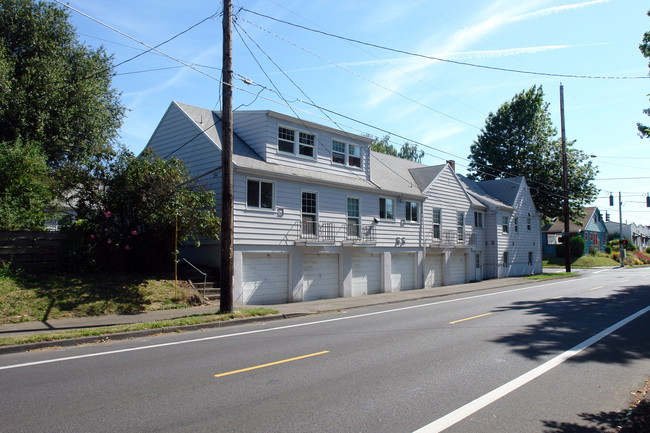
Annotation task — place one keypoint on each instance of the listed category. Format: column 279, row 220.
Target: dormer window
column 287, row 142
column 346, row 154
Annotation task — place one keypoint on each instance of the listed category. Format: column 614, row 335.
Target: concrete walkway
column 286, row 310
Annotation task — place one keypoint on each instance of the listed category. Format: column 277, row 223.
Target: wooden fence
column 33, row 251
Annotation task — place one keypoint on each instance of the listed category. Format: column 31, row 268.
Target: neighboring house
column 318, row 215
column 591, row 227
column 639, row 235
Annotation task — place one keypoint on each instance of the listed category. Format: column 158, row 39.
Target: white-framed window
column 309, row 213
column 386, row 208
column 528, row 223
column 437, row 222
column 354, row 217
column 411, row 211
column 346, row 153
column 260, row 194
column 516, row 225
column 505, row 259
column 478, row 219
column 530, row 258
column 460, row 225
column 296, row 142
column 505, row 224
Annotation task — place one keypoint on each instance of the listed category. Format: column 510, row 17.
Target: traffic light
column 624, row 242
column 611, row 200
column 647, row 201
column 606, row 216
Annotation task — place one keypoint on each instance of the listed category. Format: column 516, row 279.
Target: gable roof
column 423, row 176
column 505, row 190
column 476, row 191
column 574, row 226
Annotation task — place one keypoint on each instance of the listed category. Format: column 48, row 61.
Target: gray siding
column 176, row 137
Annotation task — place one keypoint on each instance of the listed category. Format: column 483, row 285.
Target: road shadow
column 568, row 321
column 603, row 422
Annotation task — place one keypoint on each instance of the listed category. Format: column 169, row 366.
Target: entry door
column 479, row 267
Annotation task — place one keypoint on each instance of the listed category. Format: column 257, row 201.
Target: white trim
column 260, row 208
column 296, row 142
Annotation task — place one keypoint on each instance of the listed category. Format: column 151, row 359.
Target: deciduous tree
column 520, row 140
column 644, row 130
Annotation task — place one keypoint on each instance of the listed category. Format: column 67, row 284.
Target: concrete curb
column 67, row 342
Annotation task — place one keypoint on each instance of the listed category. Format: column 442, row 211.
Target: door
column 458, row 269
column 320, row 278
column 366, row 274
column 265, row 278
column 433, row 270
column 402, row 273
column 478, row 265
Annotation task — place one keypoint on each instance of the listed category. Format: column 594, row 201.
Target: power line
column 440, row 59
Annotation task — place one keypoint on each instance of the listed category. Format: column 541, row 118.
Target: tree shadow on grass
column 566, row 322
column 91, row 294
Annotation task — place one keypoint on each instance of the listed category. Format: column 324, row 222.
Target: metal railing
column 452, row 237
column 312, row 231
column 205, row 275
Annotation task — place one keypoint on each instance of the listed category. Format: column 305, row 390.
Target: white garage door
column 433, row 270
column 320, row 277
column 458, row 269
column 265, row 278
column 402, row 272
column 366, row 274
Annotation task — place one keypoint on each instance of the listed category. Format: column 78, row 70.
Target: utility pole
column 621, row 249
column 227, row 219
column 565, row 187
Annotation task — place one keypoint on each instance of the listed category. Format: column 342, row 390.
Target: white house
column 318, row 215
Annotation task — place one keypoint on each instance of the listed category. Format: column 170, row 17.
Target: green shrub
column 608, row 249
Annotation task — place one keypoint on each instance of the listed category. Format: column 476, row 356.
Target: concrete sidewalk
column 286, row 310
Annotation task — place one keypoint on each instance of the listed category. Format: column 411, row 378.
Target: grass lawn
column 26, row 297
column 587, row 261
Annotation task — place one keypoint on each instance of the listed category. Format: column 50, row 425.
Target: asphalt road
column 551, row 357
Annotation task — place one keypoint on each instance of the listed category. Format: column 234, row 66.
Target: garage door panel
column 403, row 271
column 320, row 276
column 265, row 278
column 366, row 274
column 433, row 270
column 458, row 268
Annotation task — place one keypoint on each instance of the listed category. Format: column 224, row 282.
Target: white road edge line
column 474, row 406
column 277, row 328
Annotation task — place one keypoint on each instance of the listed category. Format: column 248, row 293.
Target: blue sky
column 441, row 105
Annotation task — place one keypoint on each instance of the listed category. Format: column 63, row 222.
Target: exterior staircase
column 203, row 279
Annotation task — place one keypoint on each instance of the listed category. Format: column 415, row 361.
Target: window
column 411, row 211
column 530, row 258
column 354, row 155
column 478, row 219
column 437, row 218
column 287, row 142
column 516, row 224
column 386, row 206
column 460, row 225
column 354, row 220
column 346, row 154
column 309, row 206
column 505, row 224
column 306, row 146
column 505, row 259
column 259, row 194
column 528, row 221
column 338, row 152
column 286, row 137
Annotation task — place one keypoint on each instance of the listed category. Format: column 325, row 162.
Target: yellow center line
column 596, row 288
column 469, row 318
column 272, row 363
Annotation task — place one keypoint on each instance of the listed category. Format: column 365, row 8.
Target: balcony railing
column 451, row 237
column 317, row 232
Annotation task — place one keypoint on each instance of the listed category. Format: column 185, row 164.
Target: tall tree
column 407, row 151
column 519, row 140
column 644, row 131
column 56, row 104
column 54, row 90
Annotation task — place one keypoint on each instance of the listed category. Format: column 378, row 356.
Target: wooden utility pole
column 225, row 304
column 565, row 187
